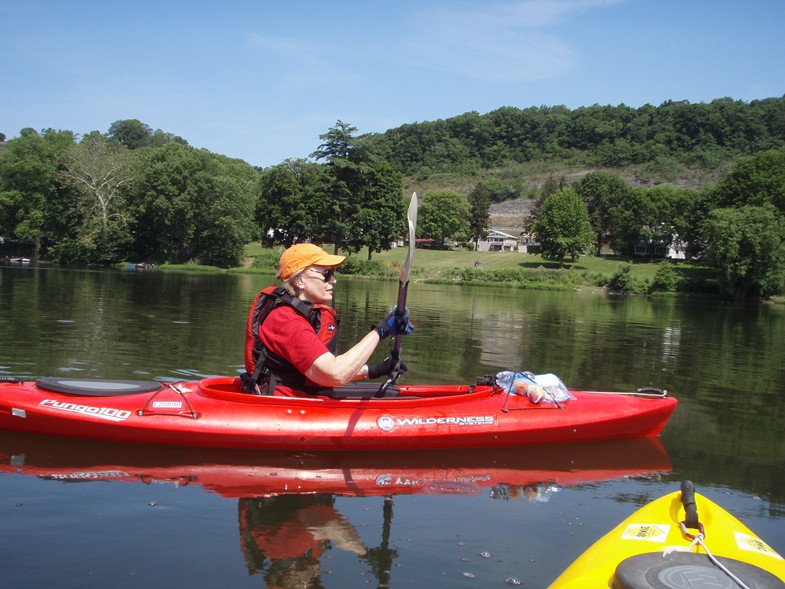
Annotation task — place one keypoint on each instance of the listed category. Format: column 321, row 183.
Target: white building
column 498, row 241
column 676, row 249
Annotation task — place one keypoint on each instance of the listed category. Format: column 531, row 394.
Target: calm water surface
column 91, row 515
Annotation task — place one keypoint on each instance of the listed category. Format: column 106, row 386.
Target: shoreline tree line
column 143, row 195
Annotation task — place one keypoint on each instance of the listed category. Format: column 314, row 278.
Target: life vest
column 264, row 369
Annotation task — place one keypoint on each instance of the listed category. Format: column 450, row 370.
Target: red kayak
column 214, row 412
column 509, row 473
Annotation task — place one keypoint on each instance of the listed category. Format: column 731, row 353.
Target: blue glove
column 386, row 366
column 394, row 325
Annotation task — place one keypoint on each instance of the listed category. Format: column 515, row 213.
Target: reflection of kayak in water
column 214, row 412
column 677, row 541
column 509, row 472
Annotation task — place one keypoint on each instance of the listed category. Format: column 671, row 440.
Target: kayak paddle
column 403, row 289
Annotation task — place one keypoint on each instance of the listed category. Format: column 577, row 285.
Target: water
column 90, row 515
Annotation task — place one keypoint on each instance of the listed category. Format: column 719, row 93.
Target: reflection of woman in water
column 285, row 536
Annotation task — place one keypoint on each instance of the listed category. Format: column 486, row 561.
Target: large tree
column 379, row 220
column 293, row 202
column 607, row 200
column 31, row 207
column 746, row 246
column 99, row 171
column 365, row 194
column 755, row 180
column 563, row 227
column 443, row 215
column 134, row 134
column 193, row 205
column 337, row 147
column 479, row 212
column 227, row 219
column 338, row 143
column 663, row 214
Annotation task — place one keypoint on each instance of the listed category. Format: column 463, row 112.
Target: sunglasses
column 327, row 275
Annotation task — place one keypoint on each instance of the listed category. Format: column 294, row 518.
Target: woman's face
column 316, row 284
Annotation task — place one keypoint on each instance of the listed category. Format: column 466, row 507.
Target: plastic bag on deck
column 545, row 388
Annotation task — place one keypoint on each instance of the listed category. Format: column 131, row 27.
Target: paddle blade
column 411, row 217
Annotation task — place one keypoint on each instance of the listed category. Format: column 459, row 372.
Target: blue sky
column 261, row 80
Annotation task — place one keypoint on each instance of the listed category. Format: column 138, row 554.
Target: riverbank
column 510, row 269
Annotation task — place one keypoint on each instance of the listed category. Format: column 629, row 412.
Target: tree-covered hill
column 679, row 143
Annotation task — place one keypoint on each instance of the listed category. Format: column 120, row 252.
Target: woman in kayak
column 292, row 332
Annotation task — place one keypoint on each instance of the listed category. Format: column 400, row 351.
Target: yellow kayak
column 680, row 541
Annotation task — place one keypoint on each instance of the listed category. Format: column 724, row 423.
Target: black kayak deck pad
column 97, row 387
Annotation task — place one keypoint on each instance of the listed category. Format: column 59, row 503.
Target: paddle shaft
column 403, row 291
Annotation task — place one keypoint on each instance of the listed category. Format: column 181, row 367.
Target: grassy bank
column 516, row 269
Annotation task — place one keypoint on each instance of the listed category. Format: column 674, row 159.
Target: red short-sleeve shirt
column 288, row 334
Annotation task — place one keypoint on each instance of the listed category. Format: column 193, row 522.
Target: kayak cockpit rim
column 229, row 389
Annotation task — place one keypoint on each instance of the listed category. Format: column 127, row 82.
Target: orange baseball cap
column 301, row 255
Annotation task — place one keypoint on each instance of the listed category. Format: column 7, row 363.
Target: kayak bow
column 680, row 540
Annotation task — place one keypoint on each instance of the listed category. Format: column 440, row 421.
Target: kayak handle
column 690, row 507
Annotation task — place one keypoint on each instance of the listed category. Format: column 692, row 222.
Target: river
column 92, row 515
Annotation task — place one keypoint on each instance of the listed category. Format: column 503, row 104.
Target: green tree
column 366, row 207
column 563, row 228
column 550, row 186
column 131, row 133
column 442, row 215
column 380, row 217
column 227, row 219
column 607, row 198
column 663, row 214
column 169, row 193
column 499, row 191
column 99, row 171
column 336, row 148
column 479, row 212
column 31, row 198
column 746, row 246
column 337, row 144
column 293, row 202
column 193, row 205
column 755, row 180
column 134, row 134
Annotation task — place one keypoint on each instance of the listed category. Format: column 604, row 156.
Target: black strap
column 270, row 370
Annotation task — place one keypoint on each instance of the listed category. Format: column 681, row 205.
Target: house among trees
column 498, row 241
column 676, row 249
